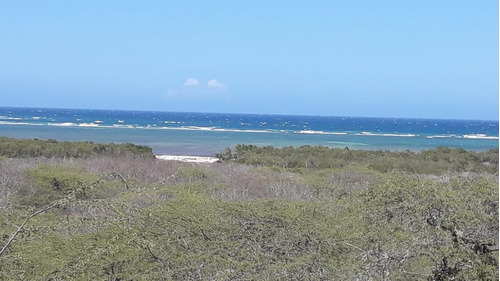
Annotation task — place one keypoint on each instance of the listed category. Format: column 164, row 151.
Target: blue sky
column 428, row 59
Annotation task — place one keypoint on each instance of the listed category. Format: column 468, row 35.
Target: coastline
column 188, row 159
column 202, row 134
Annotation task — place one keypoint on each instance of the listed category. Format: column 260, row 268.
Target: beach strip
column 189, row 159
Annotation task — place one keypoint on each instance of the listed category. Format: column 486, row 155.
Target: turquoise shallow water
column 207, row 133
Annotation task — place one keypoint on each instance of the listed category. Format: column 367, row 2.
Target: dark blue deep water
column 181, row 133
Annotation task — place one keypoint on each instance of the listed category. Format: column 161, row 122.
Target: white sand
column 190, row 159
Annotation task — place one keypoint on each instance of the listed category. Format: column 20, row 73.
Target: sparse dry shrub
column 346, row 182
column 239, row 182
column 328, row 184
column 141, row 169
column 12, row 179
column 289, row 189
column 242, row 182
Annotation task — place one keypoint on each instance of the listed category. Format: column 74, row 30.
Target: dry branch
column 21, row 227
column 61, row 202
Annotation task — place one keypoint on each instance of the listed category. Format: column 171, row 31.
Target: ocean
column 203, row 134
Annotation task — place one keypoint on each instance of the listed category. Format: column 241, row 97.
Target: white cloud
column 216, row 84
column 192, row 82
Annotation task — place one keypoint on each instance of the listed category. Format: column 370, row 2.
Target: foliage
column 435, row 161
column 51, row 148
column 51, row 182
column 231, row 221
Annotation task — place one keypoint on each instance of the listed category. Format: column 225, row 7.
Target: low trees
column 51, row 148
column 440, row 160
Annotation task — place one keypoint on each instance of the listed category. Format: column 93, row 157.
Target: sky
column 420, row 59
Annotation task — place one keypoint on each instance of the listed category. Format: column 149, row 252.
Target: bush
column 314, row 213
column 435, row 161
column 51, row 182
column 50, row 148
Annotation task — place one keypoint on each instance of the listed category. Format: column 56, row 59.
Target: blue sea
column 203, row 134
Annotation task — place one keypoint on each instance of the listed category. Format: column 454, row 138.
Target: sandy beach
column 189, row 159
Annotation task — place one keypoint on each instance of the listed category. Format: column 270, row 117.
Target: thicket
column 104, row 218
column 434, row 161
column 11, row 148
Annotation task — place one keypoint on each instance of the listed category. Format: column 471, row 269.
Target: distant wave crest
column 471, row 136
column 386, row 135
column 312, row 132
column 480, row 136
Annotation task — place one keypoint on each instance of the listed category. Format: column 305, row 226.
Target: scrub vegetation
column 307, row 213
column 51, row 148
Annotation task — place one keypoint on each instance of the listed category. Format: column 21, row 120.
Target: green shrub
column 435, row 161
column 360, row 223
column 51, row 148
column 52, row 182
